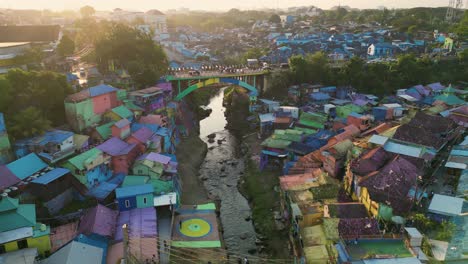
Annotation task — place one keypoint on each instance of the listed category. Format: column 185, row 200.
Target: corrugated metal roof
column 79, row 161
column 101, row 89
column 7, row 178
column 122, row 123
column 105, row 130
column 446, row 205
column 122, row 111
column 156, row 157
column 116, row 147
column 411, row 260
column 26, row 166
column 130, row 191
column 51, row 176
column 379, row 140
column 266, row 118
column 76, row 252
column 403, row 149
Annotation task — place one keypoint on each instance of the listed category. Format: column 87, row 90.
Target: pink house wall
column 104, row 102
column 121, row 132
column 140, row 145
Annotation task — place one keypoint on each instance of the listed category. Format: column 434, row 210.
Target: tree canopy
column 127, row 48
column 66, row 46
column 32, row 101
column 275, row 19
column 87, row 11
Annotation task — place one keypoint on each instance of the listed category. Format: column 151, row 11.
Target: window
column 2, row 249
column 127, row 203
column 22, row 244
column 145, row 200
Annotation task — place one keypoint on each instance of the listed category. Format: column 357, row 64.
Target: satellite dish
column 4, row 194
column 7, row 190
column 14, row 188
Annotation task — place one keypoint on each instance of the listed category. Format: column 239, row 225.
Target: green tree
column 446, row 230
column 66, row 46
column 87, row 11
column 6, row 94
column 124, row 47
column 462, row 28
column 27, row 123
column 299, row 68
column 275, row 19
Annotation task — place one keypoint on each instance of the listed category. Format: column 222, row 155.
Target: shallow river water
column 221, row 172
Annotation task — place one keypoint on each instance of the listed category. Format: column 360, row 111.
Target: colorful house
column 85, row 108
column 334, row 158
column 77, row 252
column 138, row 196
column 56, row 188
column 151, row 164
column 19, row 229
column 53, row 146
column 119, row 112
column 98, row 220
column 122, row 154
column 146, row 139
column 149, row 99
column 26, row 167
column 91, row 167
column 121, row 129
column 102, row 132
column 5, row 152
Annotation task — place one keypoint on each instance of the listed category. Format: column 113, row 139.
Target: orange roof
column 300, row 181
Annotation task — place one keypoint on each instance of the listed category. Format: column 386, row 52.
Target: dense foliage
column 123, row 47
column 32, row 101
column 382, row 78
column 66, row 46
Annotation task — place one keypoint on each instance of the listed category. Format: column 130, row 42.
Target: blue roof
column 101, row 89
column 51, row 176
column 56, row 136
column 26, row 166
column 328, row 89
column 2, row 123
column 319, row 96
column 136, row 126
column 353, row 114
column 71, row 77
column 269, row 102
column 130, row 191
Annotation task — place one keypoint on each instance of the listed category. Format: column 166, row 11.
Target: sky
column 217, row 5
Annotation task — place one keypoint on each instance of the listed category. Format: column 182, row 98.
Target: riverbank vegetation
column 237, row 102
column 259, row 187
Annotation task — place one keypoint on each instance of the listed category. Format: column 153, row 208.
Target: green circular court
column 195, row 227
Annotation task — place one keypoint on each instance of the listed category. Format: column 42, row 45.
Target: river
column 221, row 171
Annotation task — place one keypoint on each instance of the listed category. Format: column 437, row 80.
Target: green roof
column 345, row 110
column 16, row 215
column 314, row 120
column 85, row 157
column 8, row 203
column 343, row 147
column 450, row 99
column 276, row 143
column 161, row 186
column 130, row 105
column 4, row 142
column 132, row 180
column 307, row 131
column 105, row 130
column 288, row 134
column 122, row 111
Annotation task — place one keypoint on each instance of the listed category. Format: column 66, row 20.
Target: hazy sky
column 209, row 4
